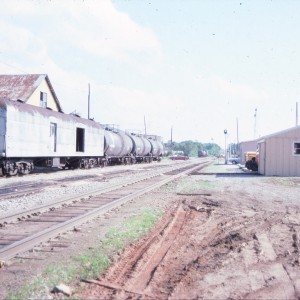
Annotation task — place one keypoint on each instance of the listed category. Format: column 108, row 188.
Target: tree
column 192, row 148
column 212, row 149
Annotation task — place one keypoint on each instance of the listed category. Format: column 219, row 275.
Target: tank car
column 118, row 146
column 141, row 148
column 31, row 135
column 157, row 147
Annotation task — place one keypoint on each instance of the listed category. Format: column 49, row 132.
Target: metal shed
column 279, row 153
column 247, row 146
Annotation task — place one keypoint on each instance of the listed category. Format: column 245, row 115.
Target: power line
column 13, row 67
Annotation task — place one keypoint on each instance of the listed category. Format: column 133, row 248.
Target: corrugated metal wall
column 247, row 147
column 280, row 159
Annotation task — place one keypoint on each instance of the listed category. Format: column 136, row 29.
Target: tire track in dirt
column 202, row 250
column 138, row 266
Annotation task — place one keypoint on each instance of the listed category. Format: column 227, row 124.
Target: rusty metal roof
column 21, row 87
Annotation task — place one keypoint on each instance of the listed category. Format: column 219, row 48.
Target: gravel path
column 65, row 185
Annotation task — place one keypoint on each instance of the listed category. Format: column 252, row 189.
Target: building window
column 297, row 148
column 79, row 140
column 43, row 99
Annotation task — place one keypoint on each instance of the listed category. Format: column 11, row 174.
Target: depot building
column 279, row 153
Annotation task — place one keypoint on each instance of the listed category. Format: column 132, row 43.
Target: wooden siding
column 34, row 99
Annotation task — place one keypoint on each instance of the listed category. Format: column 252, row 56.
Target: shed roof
column 21, row 87
column 249, row 141
column 280, row 133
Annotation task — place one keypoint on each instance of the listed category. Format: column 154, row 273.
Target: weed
column 91, row 263
column 289, row 182
column 194, row 186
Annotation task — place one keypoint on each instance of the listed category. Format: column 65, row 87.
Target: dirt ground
column 225, row 236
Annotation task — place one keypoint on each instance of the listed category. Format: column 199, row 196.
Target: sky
column 190, row 67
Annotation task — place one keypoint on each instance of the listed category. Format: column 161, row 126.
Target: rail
column 103, row 202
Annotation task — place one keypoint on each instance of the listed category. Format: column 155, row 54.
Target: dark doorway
column 79, row 140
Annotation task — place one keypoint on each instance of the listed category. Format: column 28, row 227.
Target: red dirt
column 242, row 242
column 224, row 236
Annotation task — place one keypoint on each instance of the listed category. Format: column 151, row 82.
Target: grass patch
column 92, row 262
column 133, row 229
column 194, row 186
column 284, row 181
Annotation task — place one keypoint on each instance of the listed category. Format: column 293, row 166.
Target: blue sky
column 197, row 66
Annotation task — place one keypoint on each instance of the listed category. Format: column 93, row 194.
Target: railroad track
column 38, row 227
column 25, row 189
column 9, row 191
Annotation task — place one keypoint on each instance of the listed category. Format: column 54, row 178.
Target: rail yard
column 220, row 233
column 162, row 159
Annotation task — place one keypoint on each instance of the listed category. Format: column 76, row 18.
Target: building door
column 79, row 140
column 53, row 136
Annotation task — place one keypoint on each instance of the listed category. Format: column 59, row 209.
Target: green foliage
column 189, row 148
column 233, row 149
column 92, row 262
column 192, row 148
column 212, row 149
column 133, row 229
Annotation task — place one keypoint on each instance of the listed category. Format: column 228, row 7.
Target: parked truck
column 252, row 160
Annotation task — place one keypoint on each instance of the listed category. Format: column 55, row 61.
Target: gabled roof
column 21, row 87
column 279, row 133
column 249, row 141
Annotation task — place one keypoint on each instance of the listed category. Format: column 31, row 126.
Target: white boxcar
column 31, row 132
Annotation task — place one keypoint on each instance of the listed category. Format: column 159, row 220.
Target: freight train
column 34, row 136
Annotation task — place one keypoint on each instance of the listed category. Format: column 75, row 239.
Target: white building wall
column 28, row 135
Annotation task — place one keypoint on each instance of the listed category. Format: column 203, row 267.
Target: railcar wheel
column 24, row 171
column 92, row 163
column 12, row 172
column 9, row 169
column 24, row 168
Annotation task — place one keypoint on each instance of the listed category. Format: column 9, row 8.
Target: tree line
column 194, row 149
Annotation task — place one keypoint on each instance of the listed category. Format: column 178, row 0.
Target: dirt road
column 225, row 236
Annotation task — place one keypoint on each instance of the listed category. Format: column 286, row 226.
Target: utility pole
column 237, row 130
column 296, row 113
column 225, row 133
column 255, row 115
column 237, row 148
column 171, row 137
column 145, row 125
column 89, row 103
